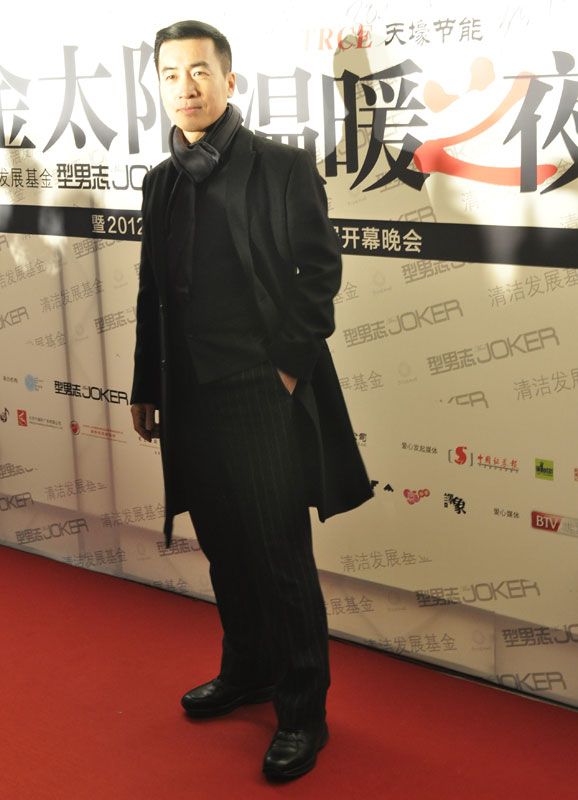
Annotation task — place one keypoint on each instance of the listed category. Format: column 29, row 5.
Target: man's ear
column 231, row 83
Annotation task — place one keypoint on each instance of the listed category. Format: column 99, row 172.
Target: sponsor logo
column 405, row 374
column 178, row 546
column 544, row 469
column 112, row 555
column 116, row 320
column 496, row 350
column 469, row 399
column 507, row 512
column 460, row 456
column 418, row 643
column 512, row 589
column 349, row 605
column 10, row 470
column 75, row 427
column 98, row 432
column 25, row 420
column 458, row 503
column 33, row 384
column 72, row 527
column 424, row 269
column 387, row 488
column 361, row 383
column 75, row 487
column 380, row 284
column 528, row 342
column 402, row 323
column 556, row 523
column 413, row 497
column 382, row 559
column 109, row 395
column 16, row 501
column 431, row 315
column 419, row 448
column 90, row 392
column 534, row 637
column 533, row 681
column 13, row 317
column 499, row 463
column 55, row 530
column 345, row 39
column 4, row 415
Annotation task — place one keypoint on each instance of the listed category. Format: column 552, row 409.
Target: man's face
column 194, row 89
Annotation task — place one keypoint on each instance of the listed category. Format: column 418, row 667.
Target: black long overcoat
column 277, row 213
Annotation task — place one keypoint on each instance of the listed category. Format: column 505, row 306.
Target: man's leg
column 259, row 545
column 245, row 659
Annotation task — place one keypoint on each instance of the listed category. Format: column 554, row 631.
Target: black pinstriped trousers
column 248, row 504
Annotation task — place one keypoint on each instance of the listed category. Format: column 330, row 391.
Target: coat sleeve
column 308, row 317
column 146, row 380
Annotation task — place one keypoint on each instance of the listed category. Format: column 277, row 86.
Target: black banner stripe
column 442, row 241
column 408, row 240
column 80, row 223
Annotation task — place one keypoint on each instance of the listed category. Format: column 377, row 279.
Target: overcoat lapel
column 242, row 158
column 161, row 200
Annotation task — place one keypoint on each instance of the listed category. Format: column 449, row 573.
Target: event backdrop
column 447, row 136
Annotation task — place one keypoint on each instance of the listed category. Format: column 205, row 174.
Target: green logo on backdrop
column 544, row 469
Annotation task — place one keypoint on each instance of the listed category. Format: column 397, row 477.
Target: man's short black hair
column 193, row 29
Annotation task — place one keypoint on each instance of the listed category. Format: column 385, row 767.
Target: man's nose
column 188, row 87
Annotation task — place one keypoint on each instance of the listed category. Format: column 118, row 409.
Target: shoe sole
column 286, row 775
column 245, row 700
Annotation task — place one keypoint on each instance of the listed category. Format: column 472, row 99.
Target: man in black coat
column 239, row 268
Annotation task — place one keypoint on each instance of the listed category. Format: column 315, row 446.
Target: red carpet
column 93, row 668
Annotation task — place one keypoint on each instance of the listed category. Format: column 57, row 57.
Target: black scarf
column 195, row 161
column 198, row 159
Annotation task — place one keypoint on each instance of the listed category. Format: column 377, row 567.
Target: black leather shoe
column 292, row 753
column 219, row 697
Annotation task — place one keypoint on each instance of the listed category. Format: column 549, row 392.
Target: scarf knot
column 198, row 159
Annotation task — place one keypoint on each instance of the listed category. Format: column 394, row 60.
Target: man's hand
column 143, row 420
column 289, row 381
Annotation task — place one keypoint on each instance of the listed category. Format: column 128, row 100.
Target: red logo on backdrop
column 461, row 456
column 75, row 427
column 545, row 522
column 415, row 496
column 22, row 417
column 431, row 156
